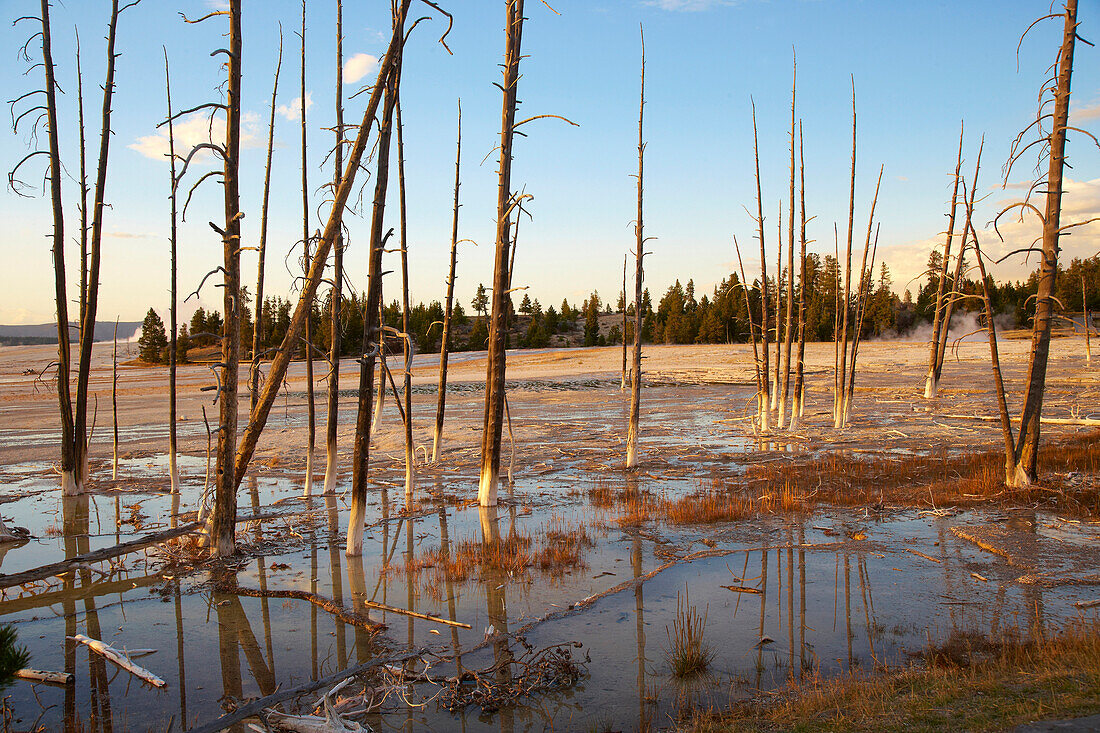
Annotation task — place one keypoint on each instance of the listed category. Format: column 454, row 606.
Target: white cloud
column 1080, row 201
column 191, row 130
column 688, row 5
column 357, row 67
column 1085, row 112
column 293, row 111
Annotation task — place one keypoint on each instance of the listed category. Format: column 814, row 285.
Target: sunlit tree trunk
column 332, row 413
column 799, row 407
column 789, row 324
column 410, row 458
column 173, row 469
column 931, row 384
column 633, row 428
column 311, row 405
column 444, row 347
column 838, row 394
column 765, row 382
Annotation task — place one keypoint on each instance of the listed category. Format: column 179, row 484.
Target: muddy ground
column 566, row 557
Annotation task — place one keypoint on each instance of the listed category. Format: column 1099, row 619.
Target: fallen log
column 120, row 659
column 1044, row 420
column 348, row 617
column 50, row 678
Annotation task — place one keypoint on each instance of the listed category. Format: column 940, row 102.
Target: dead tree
column 765, row 386
column 311, row 405
column 254, row 372
column 1088, row 322
column 639, row 256
column 114, row 400
column 760, row 377
column 778, row 302
column 839, row 378
column 173, row 470
column 931, row 385
column 956, row 279
column 789, row 323
column 336, row 293
column 494, row 381
column 865, row 276
column 372, row 324
column 1053, row 145
column 444, row 347
column 410, row 458
column 799, row 407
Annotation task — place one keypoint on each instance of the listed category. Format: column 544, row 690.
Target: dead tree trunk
column 1027, row 448
column 254, row 372
column 114, row 401
column 83, row 187
column 861, row 313
column 1088, row 322
column 931, row 385
column 952, row 293
column 861, row 296
column 444, row 347
column 70, row 483
column 410, row 458
column 765, row 386
column 173, row 469
column 311, row 405
column 799, row 407
column 760, row 378
column 225, row 480
column 372, row 324
column 789, row 324
column 336, row 293
column 633, row 427
column 493, row 422
column 839, row 380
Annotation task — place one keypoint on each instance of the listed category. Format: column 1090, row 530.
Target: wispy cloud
column 293, row 111
column 690, row 6
column 128, row 235
column 192, row 130
column 358, row 66
column 1084, row 112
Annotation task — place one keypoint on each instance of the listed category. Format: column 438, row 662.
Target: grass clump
column 688, row 654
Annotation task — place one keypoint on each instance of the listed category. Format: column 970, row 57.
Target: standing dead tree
column 311, row 405
column 765, row 386
column 74, row 418
column 1087, row 321
column 798, row 409
column 336, row 293
column 254, row 372
column 1021, row 463
column 444, row 347
column 410, row 458
column 493, row 422
column 931, row 385
column 761, row 378
column 866, row 275
column 789, row 323
column 173, row 470
column 622, row 379
column 639, row 256
column 842, row 342
column 372, row 323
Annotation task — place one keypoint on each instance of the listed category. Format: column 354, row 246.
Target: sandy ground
column 567, row 402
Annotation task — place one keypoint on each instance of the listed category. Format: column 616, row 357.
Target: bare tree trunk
column 114, row 401
column 336, row 294
column 760, row 378
column 633, row 428
column 173, row 469
column 225, row 480
column 444, row 347
column 953, row 293
column 1027, row 448
column 372, row 324
column 998, row 380
column 70, row 479
column 254, row 372
column 311, row 404
column 799, row 407
column 410, row 458
column 838, row 396
column 789, row 327
column 87, row 328
column 1088, row 322
column 622, row 379
column 83, row 189
column 778, row 306
column 494, row 381
column 931, row 385
column 861, row 296
column 765, row 391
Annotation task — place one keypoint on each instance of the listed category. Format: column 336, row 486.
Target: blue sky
column 919, row 69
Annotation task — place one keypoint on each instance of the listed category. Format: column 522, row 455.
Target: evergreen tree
column 183, row 343
column 525, row 306
column 12, row 656
column 480, row 302
column 153, row 341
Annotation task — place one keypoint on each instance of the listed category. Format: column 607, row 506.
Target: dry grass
column 707, row 507
column 563, row 547
column 968, row 683
column 688, row 654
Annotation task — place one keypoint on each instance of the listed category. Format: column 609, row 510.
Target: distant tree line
column 679, row 318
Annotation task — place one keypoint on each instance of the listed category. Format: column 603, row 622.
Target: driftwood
column 50, row 678
column 255, row 708
column 1045, row 420
column 921, row 554
column 120, row 659
column 348, row 617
